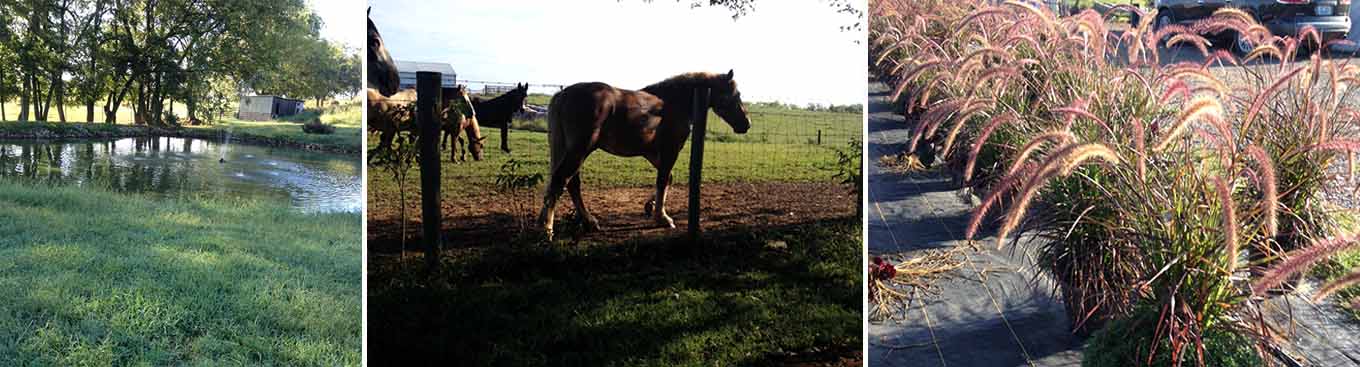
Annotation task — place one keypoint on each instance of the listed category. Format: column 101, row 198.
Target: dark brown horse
column 382, row 71
column 652, row 123
column 499, row 111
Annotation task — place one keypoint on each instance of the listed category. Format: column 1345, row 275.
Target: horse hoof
column 647, row 208
column 665, row 222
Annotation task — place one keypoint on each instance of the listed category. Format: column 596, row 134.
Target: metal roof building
column 406, row 70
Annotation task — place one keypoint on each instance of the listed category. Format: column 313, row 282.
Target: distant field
column 76, row 113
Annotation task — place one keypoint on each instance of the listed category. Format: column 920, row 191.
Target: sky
column 341, row 21
column 792, row 51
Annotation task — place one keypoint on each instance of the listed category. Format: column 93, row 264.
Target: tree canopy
column 151, row 54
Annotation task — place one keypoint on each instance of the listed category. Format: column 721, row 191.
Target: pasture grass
column 94, row 278
column 750, row 296
column 780, row 147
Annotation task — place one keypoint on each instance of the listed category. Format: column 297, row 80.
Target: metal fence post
column 696, row 159
column 429, row 90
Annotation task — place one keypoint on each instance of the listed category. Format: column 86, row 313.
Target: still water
column 177, row 167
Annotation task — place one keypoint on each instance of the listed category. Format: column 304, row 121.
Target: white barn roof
column 406, row 70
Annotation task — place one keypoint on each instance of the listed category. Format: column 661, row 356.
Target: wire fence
column 782, row 145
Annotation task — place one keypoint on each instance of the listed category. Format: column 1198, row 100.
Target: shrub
column 1160, row 186
column 317, row 127
column 1113, row 347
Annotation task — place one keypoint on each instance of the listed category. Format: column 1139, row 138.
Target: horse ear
column 729, row 74
column 370, row 10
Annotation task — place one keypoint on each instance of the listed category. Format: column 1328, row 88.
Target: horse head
column 726, row 102
column 382, row 71
column 520, row 94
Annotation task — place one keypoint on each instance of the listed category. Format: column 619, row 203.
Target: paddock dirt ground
column 495, row 219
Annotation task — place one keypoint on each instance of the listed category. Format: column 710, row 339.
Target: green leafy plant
column 512, row 183
column 397, row 161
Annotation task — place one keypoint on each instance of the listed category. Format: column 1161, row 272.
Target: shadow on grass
column 749, row 296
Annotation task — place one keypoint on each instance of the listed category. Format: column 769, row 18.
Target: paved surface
column 993, row 311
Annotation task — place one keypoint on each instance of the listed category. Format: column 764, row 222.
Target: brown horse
column 652, row 123
column 460, row 114
column 382, row 71
column 389, row 115
column 499, row 111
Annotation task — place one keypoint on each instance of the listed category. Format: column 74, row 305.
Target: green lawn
column 93, row 278
column 751, row 296
column 780, row 147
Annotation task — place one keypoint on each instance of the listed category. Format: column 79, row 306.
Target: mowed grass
column 93, row 278
column 780, row 147
column 750, row 296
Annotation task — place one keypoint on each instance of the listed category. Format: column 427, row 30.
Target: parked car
column 1331, row 18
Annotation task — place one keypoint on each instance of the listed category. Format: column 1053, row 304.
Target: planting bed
column 995, row 302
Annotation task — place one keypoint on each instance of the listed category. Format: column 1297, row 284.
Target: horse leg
column 462, row 150
column 568, row 167
column 663, row 180
column 587, row 221
column 648, row 205
column 505, row 137
column 457, row 144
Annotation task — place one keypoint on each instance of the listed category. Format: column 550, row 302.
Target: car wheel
column 1242, row 44
column 1163, row 19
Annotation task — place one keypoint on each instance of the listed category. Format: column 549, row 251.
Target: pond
column 179, row 167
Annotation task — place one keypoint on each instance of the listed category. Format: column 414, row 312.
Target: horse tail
column 557, row 138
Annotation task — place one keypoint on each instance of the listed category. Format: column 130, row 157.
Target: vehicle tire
column 1241, row 45
column 1164, row 18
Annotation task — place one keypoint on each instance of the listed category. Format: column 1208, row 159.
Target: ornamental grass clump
column 1159, row 195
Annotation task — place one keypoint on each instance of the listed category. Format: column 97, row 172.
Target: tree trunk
column 23, row 99
column 89, row 111
column 115, row 102
column 61, row 99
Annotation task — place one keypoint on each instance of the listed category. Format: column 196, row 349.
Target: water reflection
column 312, row 182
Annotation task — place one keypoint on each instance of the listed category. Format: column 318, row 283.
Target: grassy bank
column 348, row 122
column 753, row 296
column 98, row 278
column 347, row 119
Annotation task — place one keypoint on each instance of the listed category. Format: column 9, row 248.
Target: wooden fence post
column 429, row 87
column 819, row 136
column 696, row 159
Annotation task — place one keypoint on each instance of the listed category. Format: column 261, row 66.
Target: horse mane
column 692, row 80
